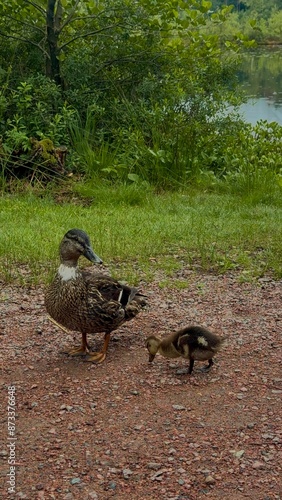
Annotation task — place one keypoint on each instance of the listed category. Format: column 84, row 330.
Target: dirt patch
column 128, row 429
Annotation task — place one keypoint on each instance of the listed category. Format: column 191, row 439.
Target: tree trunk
column 53, row 69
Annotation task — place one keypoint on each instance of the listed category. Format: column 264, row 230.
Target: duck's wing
column 105, row 312
column 116, row 290
column 108, row 287
column 112, row 289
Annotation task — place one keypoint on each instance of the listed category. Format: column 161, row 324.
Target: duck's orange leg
column 82, row 350
column 76, row 351
column 99, row 357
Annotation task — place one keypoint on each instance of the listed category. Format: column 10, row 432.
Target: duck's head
column 152, row 344
column 74, row 244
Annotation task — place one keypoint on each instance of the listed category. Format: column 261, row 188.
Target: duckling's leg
column 99, row 357
column 82, row 350
column 206, row 368
column 191, row 366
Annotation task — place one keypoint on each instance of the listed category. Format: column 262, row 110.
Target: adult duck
column 89, row 303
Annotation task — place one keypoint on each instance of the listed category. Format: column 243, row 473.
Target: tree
column 56, row 27
column 261, row 8
column 140, row 75
column 52, row 26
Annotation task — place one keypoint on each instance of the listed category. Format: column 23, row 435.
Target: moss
column 46, row 150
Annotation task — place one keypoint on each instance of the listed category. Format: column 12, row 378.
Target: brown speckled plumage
column 89, row 303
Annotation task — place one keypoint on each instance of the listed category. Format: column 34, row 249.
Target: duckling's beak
column 151, row 357
column 90, row 255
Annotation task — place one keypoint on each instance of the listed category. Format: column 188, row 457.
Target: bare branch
column 90, row 16
column 85, row 35
column 23, row 23
column 70, row 16
column 95, row 16
column 37, row 7
column 58, row 17
column 124, row 59
column 21, row 39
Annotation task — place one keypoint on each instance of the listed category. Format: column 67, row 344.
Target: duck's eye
column 78, row 239
column 74, row 237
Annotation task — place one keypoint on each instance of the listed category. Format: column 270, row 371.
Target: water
column 261, row 78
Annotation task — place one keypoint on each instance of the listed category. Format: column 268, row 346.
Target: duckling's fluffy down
column 198, row 343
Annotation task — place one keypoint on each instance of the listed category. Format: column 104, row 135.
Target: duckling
column 89, row 303
column 192, row 342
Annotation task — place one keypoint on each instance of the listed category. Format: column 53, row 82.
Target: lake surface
column 260, row 75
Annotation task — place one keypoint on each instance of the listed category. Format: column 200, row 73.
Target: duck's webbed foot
column 99, row 357
column 80, row 351
column 77, row 351
column 96, row 357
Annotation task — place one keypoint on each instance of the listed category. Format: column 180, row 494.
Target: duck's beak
column 151, row 357
column 90, row 255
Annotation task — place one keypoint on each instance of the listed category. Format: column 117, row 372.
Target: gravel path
column 130, row 430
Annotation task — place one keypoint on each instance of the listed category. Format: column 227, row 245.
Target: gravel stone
column 209, row 480
column 127, row 473
column 112, row 485
column 154, row 465
column 75, row 480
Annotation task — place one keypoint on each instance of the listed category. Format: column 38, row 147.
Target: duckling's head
column 152, row 344
column 74, row 244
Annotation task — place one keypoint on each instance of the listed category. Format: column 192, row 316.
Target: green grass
column 141, row 235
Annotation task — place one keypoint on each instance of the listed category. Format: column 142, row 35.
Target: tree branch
column 23, row 23
column 37, row 7
column 20, row 39
column 58, row 18
column 124, row 59
column 70, row 16
column 85, row 35
column 99, row 14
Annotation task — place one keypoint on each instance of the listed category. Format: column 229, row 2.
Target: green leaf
column 133, row 177
column 206, row 4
